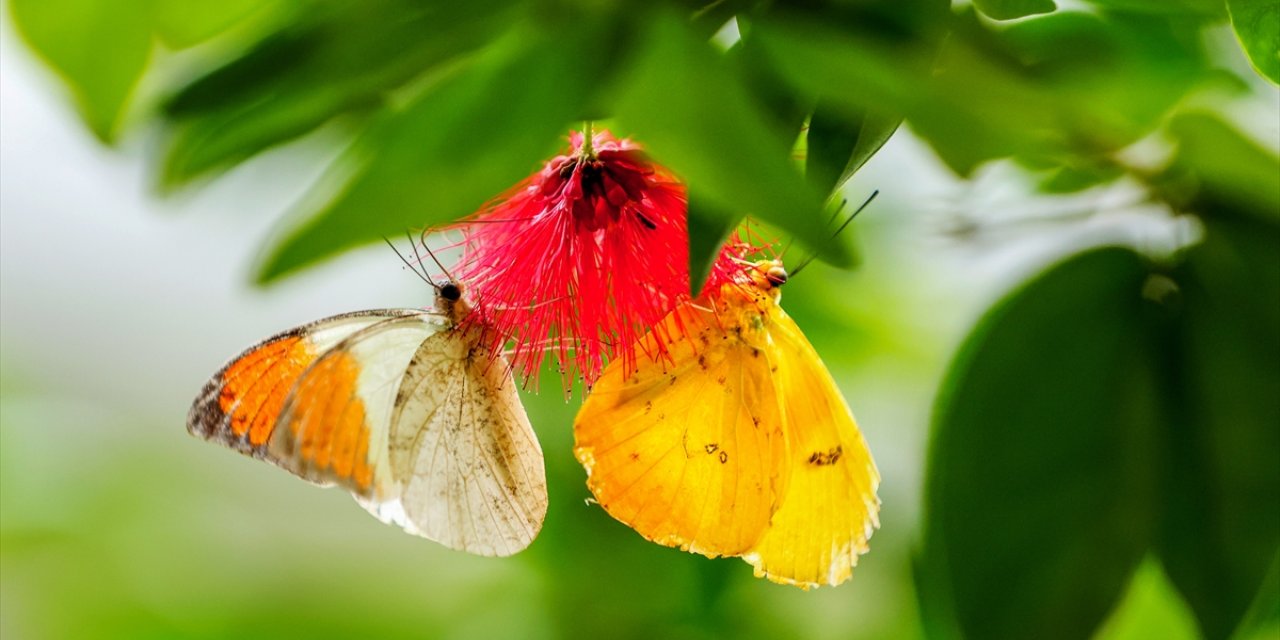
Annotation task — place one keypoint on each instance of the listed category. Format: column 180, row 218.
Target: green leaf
column 1257, row 26
column 1151, row 610
column 1010, row 9
column 1220, row 532
column 1039, row 483
column 1263, row 618
column 977, row 112
column 1227, row 168
column 839, row 143
column 465, row 139
column 341, row 60
column 696, row 117
column 709, row 227
column 181, row 23
column 99, row 47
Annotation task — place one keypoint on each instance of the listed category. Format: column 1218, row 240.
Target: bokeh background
column 117, row 304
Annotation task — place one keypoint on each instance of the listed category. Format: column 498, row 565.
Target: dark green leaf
column 1263, row 618
column 1040, row 479
column 1010, row 9
column 99, row 47
column 1221, row 530
column 694, row 114
column 839, row 143
column 344, row 59
column 469, row 137
column 709, row 227
column 1257, row 25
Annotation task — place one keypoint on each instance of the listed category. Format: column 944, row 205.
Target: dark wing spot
column 635, row 455
column 724, row 457
column 648, row 406
column 702, row 361
column 711, row 447
column 828, row 457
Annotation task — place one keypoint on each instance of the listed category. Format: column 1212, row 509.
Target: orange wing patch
column 255, row 387
column 327, row 425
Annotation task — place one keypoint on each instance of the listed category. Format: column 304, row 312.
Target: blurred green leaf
column 1114, row 77
column 1257, row 26
column 99, row 47
column 470, row 136
column 1010, row 9
column 181, row 23
column 1263, row 618
column 1195, row 9
column 342, row 59
column 709, row 227
column 1072, row 179
column 1065, row 85
column 697, row 118
column 981, row 113
column 1221, row 531
column 1039, row 485
column 1227, row 168
column 838, row 144
column 1150, row 610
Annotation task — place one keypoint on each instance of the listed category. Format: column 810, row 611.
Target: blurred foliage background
column 1062, row 339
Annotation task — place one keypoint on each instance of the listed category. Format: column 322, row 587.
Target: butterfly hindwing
column 462, row 448
column 831, row 507
column 688, row 454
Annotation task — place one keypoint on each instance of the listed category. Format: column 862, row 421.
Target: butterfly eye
column 776, row 275
column 451, row 291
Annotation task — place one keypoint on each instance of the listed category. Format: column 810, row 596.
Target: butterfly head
column 768, row 274
column 449, row 298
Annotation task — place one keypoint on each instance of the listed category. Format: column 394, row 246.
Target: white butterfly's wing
column 333, row 428
column 240, row 405
column 463, row 450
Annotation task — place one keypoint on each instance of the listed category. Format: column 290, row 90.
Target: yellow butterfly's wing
column 462, row 447
column 830, row 508
column 688, row 451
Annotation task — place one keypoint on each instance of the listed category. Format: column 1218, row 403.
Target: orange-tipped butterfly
column 406, row 409
column 738, row 443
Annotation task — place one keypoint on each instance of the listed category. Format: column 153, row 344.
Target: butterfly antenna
column 410, row 265
column 432, row 254
column 417, row 256
column 804, row 263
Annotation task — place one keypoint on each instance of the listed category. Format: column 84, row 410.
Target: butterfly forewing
column 334, row 423
column 689, row 455
column 239, row 406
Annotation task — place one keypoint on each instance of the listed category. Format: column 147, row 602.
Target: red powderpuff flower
column 581, row 258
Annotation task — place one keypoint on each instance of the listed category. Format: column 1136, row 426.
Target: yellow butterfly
column 406, row 409
column 737, row 444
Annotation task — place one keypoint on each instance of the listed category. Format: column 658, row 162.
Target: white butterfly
column 409, row 410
